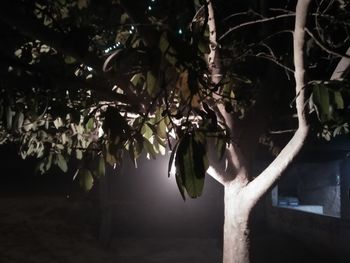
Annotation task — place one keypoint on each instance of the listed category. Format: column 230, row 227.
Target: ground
column 35, row 229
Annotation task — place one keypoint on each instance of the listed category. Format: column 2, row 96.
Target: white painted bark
column 240, row 197
column 236, row 229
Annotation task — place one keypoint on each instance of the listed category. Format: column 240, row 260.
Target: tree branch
column 329, row 51
column 214, row 66
column 342, row 68
column 260, row 185
column 258, row 21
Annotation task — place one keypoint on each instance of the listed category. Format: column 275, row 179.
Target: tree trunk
column 236, row 230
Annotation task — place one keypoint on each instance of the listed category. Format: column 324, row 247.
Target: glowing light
column 89, row 68
column 149, row 8
column 180, row 31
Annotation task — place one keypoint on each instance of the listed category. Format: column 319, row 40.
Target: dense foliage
column 94, row 80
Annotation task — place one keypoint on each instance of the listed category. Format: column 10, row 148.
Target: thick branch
column 273, row 172
column 234, row 155
column 342, row 68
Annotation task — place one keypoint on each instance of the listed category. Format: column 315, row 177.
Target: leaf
column 163, row 43
column 191, row 164
column 146, row 131
column 78, row 154
column 9, row 115
column 135, row 80
column 162, row 129
column 321, row 100
column 152, row 85
column 101, row 167
column 18, row 121
column 115, row 125
column 150, row 148
column 69, row 60
column 48, row 162
column 90, row 124
column 203, row 47
column 62, row 163
column 85, row 179
column 111, row 159
column 338, row 100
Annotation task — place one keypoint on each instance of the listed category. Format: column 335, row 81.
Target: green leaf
column 90, row 124
column 203, row 47
column 101, row 167
column 69, row 60
column 150, row 148
column 191, row 164
column 85, row 179
column 163, row 43
column 9, row 115
column 321, row 100
column 62, row 163
column 135, row 80
column 161, row 129
column 147, row 131
column 48, row 161
column 152, row 85
column 338, row 100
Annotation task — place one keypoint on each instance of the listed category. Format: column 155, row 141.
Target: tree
column 92, row 80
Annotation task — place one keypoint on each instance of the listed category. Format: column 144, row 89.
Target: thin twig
column 324, row 47
column 255, row 22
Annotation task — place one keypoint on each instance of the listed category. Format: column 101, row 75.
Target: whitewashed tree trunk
column 241, row 195
column 236, row 228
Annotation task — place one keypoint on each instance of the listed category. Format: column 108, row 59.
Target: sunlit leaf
column 147, row 131
column 90, row 124
column 85, row 179
column 150, row 148
column 162, row 129
column 62, row 163
column 135, row 80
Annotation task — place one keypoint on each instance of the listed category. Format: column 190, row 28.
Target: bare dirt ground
column 49, row 229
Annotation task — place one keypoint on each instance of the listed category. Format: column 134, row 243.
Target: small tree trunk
column 236, row 231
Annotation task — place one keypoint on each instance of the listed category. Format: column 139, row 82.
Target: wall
column 327, row 236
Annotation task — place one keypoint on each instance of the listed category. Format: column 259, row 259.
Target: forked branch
column 272, row 173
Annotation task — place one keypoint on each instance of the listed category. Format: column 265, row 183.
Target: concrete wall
column 328, row 236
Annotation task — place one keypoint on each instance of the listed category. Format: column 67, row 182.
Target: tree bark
column 236, row 229
column 241, row 196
